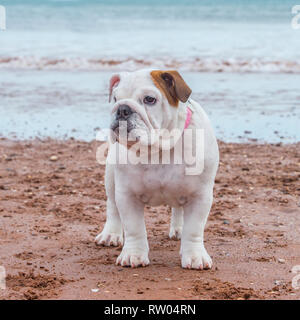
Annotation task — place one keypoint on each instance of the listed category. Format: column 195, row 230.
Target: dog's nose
column 123, row 112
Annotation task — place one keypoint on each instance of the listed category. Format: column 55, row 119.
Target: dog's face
column 145, row 100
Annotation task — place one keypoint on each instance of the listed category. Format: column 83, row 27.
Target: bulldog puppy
column 148, row 100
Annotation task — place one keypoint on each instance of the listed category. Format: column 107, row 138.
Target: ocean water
column 241, row 58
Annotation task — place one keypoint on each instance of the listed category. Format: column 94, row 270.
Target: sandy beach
column 51, row 208
column 241, row 60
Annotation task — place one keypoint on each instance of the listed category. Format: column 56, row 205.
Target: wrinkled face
column 145, row 100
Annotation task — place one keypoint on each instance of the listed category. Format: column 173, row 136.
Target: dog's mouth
column 129, row 125
column 122, row 128
column 124, row 131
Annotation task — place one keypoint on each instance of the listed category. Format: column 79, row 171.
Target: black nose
column 123, row 112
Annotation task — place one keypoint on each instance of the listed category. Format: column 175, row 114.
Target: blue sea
column 241, row 58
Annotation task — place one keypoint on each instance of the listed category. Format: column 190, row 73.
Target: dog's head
column 145, row 100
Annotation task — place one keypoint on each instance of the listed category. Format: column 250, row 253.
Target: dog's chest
column 161, row 184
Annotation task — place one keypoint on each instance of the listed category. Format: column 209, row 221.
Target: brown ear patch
column 172, row 85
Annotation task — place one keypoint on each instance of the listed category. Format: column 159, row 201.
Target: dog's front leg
column 135, row 249
column 112, row 233
column 192, row 250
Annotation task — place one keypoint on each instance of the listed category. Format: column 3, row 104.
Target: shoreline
column 64, row 104
column 42, row 139
column 50, row 212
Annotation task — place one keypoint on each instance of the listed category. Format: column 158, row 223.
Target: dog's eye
column 149, row 100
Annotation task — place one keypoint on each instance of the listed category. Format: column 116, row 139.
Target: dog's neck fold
column 179, row 123
column 183, row 117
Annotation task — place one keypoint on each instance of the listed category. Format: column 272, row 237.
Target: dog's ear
column 113, row 83
column 172, row 85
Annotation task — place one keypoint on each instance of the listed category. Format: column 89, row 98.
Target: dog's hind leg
column 176, row 223
column 112, row 233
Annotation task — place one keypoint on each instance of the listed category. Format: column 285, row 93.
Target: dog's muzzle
column 123, row 113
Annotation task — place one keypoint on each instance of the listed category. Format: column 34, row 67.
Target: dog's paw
column 175, row 233
column 199, row 259
column 106, row 238
column 133, row 259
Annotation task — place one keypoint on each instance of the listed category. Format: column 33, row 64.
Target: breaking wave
column 197, row 64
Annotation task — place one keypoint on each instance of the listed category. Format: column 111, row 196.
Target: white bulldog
column 149, row 100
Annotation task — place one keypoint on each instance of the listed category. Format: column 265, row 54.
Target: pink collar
column 188, row 118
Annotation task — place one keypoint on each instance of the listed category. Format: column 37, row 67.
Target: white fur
column 130, row 187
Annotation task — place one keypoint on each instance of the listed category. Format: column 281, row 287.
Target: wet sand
column 52, row 208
